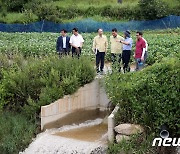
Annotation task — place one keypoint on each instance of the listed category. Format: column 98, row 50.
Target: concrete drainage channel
column 77, row 123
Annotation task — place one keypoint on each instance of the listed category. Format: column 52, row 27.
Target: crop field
column 161, row 43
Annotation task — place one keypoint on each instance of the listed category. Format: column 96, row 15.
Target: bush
column 175, row 10
column 41, row 81
column 13, row 5
column 153, row 9
column 120, row 13
column 149, row 97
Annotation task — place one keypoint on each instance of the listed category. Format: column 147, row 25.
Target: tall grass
column 16, row 132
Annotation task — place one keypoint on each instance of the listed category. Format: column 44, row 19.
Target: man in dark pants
column 76, row 41
column 100, row 45
column 116, row 50
column 62, row 45
column 126, row 54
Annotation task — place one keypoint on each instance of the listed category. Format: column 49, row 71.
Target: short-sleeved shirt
column 116, row 47
column 129, row 46
column 76, row 40
column 140, row 44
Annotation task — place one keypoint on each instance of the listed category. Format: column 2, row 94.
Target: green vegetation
column 149, row 97
column 71, row 10
column 137, row 144
column 27, row 83
column 16, row 132
column 31, row 75
column 161, row 43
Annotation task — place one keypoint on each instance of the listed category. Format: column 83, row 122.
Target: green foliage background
column 71, row 10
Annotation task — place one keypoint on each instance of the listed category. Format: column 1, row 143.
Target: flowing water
column 91, row 133
column 77, row 117
column 84, row 132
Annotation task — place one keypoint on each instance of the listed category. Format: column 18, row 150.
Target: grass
column 95, row 3
column 16, row 132
column 172, row 3
column 138, row 144
column 101, row 3
column 17, row 18
column 95, row 17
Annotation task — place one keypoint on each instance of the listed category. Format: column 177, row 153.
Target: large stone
column 119, row 138
column 128, row 129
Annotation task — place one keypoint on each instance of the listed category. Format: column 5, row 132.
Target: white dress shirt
column 76, row 40
column 64, row 42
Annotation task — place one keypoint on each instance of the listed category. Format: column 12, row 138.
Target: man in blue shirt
column 62, row 45
column 126, row 54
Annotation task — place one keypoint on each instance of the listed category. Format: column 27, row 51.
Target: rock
column 119, row 138
column 128, row 129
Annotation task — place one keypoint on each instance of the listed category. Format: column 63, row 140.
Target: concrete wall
column 111, row 124
column 91, row 96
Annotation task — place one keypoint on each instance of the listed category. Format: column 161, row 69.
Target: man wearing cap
column 140, row 51
column 116, row 47
column 100, row 45
column 126, row 54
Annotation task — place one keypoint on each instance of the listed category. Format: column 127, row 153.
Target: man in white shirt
column 76, row 41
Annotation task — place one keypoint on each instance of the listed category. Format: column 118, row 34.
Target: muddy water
column 82, row 131
column 77, row 117
column 49, row 143
column 91, row 133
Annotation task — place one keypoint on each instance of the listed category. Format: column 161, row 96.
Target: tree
column 14, row 5
column 153, row 9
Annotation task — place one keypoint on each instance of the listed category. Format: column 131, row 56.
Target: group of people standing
column 121, row 48
column 65, row 43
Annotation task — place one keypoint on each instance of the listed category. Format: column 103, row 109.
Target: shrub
column 175, row 10
column 42, row 81
column 153, row 9
column 149, row 97
column 12, row 5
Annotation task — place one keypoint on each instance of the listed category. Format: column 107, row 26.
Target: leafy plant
column 148, row 95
